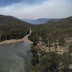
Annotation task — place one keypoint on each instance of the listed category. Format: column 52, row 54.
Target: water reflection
column 15, row 58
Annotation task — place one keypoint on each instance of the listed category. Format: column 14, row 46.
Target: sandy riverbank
column 25, row 39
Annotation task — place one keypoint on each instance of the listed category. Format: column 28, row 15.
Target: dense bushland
column 57, row 33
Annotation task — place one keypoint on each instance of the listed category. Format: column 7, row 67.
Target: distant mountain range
column 40, row 21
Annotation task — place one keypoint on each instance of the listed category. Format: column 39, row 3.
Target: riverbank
column 25, row 39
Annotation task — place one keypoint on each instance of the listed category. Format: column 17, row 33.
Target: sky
column 33, row 9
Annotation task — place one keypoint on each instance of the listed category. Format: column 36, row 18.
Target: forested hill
column 12, row 28
column 12, row 22
column 64, row 21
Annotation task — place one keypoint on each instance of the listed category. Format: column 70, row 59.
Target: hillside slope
column 65, row 21
column 12, row 28
column 12, row 22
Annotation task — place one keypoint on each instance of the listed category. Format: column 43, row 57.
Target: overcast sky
column 33, row 9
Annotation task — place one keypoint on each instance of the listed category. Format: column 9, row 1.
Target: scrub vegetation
column 52, row 48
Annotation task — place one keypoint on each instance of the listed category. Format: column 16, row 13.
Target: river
column 15, row 57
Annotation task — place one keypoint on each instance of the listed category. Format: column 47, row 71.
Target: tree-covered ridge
column 63, row 21
column 12, row 22
column 12, row 28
